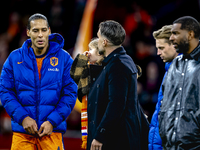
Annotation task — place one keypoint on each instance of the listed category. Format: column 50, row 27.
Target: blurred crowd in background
column 139, row 18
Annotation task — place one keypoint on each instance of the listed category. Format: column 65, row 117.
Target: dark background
column 139, row 18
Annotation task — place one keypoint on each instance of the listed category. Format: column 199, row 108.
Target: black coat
column 179, row 117
column 114, row 115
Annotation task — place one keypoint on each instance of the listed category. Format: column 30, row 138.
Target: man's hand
column 30, row 125
column 45, row 129
column 96, row 145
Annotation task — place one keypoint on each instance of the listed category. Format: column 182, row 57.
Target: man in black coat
column 179, row 117
column 115, row 118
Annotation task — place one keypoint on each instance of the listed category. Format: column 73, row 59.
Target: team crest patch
column 54, row 61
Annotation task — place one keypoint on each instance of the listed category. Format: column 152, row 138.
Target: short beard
column 183, row 47
column 40, row 48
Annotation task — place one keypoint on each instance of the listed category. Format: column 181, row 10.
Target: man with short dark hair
column 36, row 88
column 179, row 117
column 114, row 116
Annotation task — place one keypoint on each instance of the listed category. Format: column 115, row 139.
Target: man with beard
column 179, row 117
column 36, row 89
column 115, row 121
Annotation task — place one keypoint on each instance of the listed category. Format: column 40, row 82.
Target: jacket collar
column 56, row 42
column 167, row 64
column 195, row 54
column 118, row 51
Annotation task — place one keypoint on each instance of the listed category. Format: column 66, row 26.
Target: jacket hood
column 56, row 42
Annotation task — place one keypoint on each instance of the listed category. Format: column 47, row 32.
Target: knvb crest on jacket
column 54, row 61
column 48, row 98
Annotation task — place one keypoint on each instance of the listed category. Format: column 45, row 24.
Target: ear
column 190, row 35
column 49, row 30
column 28, row 33
column 105, row 42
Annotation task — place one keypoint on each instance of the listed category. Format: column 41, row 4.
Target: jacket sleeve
column 118, row 81
column 67, row 99
column 8, row 93
column 154, row 137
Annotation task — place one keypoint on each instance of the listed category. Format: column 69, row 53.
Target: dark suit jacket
column 114, row 114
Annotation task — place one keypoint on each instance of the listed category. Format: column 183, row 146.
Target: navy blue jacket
column 114, row 115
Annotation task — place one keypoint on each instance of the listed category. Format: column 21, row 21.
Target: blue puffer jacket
column 51, row 98
column 155, row 142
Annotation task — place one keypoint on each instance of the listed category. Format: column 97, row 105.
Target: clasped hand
column 31, row 127
column 96, row 145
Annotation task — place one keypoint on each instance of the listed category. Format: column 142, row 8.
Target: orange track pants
column 22, row 141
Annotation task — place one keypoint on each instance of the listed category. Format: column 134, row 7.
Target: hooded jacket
column 179, row 117
column 51, row 98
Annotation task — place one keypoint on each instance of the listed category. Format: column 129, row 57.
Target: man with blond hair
column 167, row 53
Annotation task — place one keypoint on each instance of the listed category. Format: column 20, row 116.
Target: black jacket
column 114, row 114
column 179, row 118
